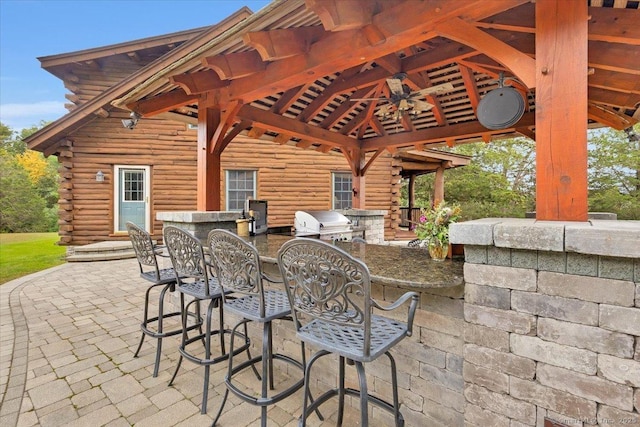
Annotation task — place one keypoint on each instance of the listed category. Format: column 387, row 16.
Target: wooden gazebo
column 314, row 74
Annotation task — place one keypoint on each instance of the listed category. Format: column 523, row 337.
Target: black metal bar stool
column 160, row 278
column 238, row 268
column 193, row 279
column 330, row 295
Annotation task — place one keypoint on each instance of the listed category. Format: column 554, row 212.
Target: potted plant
column 433, row 228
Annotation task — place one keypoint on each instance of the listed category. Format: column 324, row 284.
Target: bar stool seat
column 194, row 280
column 237, row 265
column 162, row 279
column 330, row 295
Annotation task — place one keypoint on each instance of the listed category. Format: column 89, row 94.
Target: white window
column 241, row 185
column 341, row 190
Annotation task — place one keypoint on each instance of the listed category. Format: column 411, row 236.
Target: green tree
column 27, row 175
column 614, row 172
column 22, row 210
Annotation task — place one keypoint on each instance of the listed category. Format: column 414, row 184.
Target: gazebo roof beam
column 612, row 80
column 283, row 43
column 617, row 99
column 199, row 82
column 235, row 65
column 522, row 65
column 162, row 103
column 440, row 134
column 335, row 51
column 295, row 128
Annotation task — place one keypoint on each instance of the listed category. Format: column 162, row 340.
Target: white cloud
column 19, row 116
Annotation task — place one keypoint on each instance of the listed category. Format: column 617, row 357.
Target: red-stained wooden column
column 438, row 186
column 561, row 110
column 209, row 176
column 358, row 182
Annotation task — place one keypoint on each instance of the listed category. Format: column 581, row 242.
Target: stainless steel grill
column 326, row 225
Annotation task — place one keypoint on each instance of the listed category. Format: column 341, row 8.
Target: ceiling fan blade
column 444, row 87
column 384, row 110
column 421, row 105
column 370, row 99
column 396, row 86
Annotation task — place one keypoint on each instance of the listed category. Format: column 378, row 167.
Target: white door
column 132, row 197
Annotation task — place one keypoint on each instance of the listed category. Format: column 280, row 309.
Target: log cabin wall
column 289, row 178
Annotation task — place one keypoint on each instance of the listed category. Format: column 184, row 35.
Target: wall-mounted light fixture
column 132, row 122
column 99, row 176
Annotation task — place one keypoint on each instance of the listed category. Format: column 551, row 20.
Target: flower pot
column 438, row 250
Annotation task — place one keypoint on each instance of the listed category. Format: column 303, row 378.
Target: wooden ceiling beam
column 522, row 65
column 256, row 132
column 283, row 43
column 617, row 99
column 280, row 124
column 162, row 103
column 287, row 99
column 526, row 131
column 441, row 134
column 346, row 107
column 606, row 24
column 621, row 82
column 336, row 51
column 614, row 25
column 392, row 63
column 235, row 65
column 609, row 117
column 200, row 82
column 469, row 80
column 340, row 15
column 614, row 57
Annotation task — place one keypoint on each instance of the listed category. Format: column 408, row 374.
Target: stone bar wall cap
column 604, row 238
column 530, row 234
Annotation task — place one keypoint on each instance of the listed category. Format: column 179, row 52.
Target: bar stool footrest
column 259, row 401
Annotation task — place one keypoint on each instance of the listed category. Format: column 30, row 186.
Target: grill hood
column 328, row 225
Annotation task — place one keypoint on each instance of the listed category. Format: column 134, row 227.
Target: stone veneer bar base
column 371, row 219
column 199, row 223
column 551, row 322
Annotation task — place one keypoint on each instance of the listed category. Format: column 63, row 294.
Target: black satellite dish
column 500, row 108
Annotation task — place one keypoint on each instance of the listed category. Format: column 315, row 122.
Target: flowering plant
column 434, row 223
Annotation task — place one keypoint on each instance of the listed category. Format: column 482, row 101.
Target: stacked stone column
column 552, row 322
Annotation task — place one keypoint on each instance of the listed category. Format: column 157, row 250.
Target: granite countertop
column 389, row 265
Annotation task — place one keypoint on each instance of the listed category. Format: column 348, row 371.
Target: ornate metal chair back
column 187, row 256
column 236, row 264
column 145, row 251
column 324, row 282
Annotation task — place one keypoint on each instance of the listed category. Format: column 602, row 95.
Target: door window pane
column 341, row 190
column 133, row 186
column 240, row 187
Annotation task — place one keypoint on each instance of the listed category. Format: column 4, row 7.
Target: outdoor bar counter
column 408, row 268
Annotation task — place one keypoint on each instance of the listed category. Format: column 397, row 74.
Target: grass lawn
column 26, row 253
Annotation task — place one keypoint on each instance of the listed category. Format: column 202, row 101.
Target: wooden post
column 209, row 176
column 438, row 187
column 358, row 182
column 561, row 110
column 411, row 196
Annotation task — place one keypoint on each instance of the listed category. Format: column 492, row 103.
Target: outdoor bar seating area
column 323, row 291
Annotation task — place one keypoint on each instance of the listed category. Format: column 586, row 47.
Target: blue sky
column 33, row 28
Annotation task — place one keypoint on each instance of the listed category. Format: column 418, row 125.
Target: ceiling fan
column 402, row 99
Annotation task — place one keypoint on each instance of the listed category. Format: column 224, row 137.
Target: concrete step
column 101, row 251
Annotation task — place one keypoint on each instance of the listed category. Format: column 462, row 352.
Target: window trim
column 254, row 172
column 334, row 174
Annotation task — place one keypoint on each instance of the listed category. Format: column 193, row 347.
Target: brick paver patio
column 67, row 338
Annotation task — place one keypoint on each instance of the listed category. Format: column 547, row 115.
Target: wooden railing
column 409, row 221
